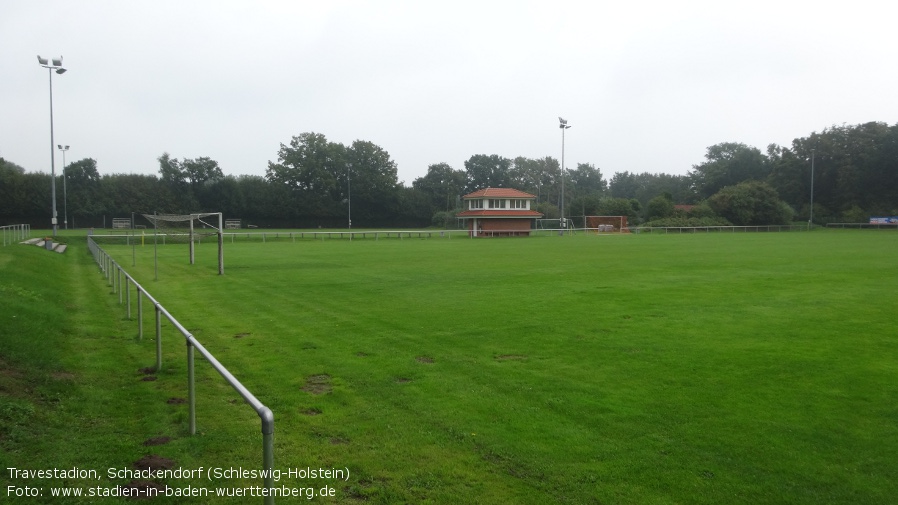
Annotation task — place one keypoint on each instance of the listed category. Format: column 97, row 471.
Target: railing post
column 268, row 450
column 139, row 315
column 191, row 388
column 128, row 291
column 158, row 339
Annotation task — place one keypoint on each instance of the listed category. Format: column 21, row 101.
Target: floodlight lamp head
column 42, row 61
column 57, row 62
column 60, row 70
column 562, row 120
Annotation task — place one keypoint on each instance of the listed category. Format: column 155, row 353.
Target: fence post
column 191, row 387
column 158, row 338
column 139, row 316
column 128, row 290
column 268, row 450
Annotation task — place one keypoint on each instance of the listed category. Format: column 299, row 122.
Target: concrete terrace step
column 53, row 246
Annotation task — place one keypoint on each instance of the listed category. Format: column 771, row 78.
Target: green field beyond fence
column 632, row 369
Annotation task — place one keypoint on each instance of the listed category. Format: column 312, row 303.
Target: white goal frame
column 219, row 230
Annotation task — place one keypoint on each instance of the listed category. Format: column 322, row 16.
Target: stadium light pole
column 349, row 195
column 811, row 218
column 65, row 194
column 562, row 123
column 54, row 65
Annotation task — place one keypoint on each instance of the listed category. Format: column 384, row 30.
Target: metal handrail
column 108, row 266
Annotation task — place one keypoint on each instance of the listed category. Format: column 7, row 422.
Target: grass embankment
column 72, row 395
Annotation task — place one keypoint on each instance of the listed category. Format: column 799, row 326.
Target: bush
column 688, row 222
column 751, row 203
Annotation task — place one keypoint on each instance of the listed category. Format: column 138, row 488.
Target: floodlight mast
column 811, row 217
column 562, row 123
column 57, row 66
column 65, row 196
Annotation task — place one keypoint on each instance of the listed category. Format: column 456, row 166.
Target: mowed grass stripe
column 738, row 368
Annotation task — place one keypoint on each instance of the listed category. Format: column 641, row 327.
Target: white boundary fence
column 306, row 235
column 114, row 276
column 13, row 233
column 876, row 226
column 718, row 229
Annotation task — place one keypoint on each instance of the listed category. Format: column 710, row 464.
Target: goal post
column 178, row 228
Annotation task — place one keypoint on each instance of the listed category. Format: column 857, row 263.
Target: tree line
column 318, row 183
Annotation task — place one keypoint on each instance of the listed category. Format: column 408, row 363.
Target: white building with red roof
column 499, row 212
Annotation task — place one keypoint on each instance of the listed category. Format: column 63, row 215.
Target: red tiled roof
column 500, row 213
column 498, row 193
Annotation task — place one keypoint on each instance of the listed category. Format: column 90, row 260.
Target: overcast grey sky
column 646, row 86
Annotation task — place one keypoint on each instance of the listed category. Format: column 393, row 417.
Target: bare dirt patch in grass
column 176, row 401
column 63, row 376
column 156, row 441
column 153, row 462
column 241, row 335
column 510, row 357
column 148, row 378
column 311, row 412
column 318, row 384
column 424, row 359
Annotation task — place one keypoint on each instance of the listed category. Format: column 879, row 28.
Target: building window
column 476, row 204
column 519, row 204
column 497, row 203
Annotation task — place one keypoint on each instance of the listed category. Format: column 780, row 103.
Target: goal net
column 190, row 229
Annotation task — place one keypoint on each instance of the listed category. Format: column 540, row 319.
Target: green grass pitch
column 652, row 369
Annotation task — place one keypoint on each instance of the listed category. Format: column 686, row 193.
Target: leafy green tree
column 610, row 206
column 123, row 194
column 266, row 201
column 375, row 183
column 751, row 203
column 540, row 177
column 224, row 195
column 202, row 174
column 12, row 196
column 645, row 186
column 310, row 167
column 727, row 164
column 659, row 207
column 484, row 171
column 588, row 205
column 415, row 210
column 83, row 182
column 854, row 167
column 442, row 185
column 586, row 180
column 175, row 178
